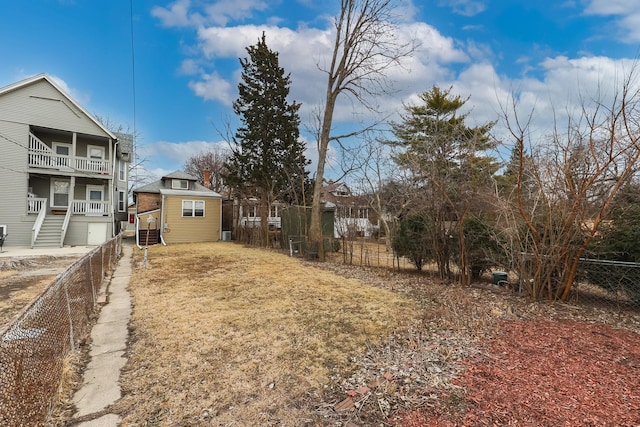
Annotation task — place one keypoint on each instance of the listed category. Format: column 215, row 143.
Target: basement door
column 96, row 233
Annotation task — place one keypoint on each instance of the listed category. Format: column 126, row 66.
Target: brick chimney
column 207, row 178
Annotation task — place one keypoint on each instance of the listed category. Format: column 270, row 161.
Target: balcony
column 78, row 207
column 41, row 156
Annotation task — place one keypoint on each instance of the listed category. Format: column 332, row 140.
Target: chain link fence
column 33, row 348
column 610, row 285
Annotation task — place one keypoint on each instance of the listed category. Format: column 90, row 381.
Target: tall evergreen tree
column 268, row 159
column 449, row 167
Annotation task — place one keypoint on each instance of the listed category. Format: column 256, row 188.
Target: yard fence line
column 33, row 348
column 606, row 284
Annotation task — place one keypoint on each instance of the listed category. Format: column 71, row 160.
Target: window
column 180, row 184
column 122, row 201
column 95, row 152
column 273, row 211
column 62, row 153
column 3, row 230
column 193, row 208
column 96, row 161
column 95, row 198
column 60, row 193
column 122, row 170
column 252, row 211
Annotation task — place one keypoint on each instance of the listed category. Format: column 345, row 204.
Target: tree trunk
column 315, row 229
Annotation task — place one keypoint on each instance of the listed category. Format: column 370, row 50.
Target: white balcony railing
column 87, row 207
column 92, row 165
column 35, row 204
column 41, row 156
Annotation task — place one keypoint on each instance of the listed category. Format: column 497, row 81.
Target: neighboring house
column 128, row 226
column 64, row 173
column 250, row 214
column 176, row 209
column 353, row 216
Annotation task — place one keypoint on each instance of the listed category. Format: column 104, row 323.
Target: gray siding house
column 64, row 174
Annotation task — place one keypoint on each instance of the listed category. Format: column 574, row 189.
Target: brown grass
column 227, row 335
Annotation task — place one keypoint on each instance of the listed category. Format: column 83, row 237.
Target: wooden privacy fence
column 33, row 348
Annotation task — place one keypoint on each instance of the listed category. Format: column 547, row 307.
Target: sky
column 168, row 71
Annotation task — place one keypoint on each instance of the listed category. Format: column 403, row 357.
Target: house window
column 60, row 193
column 62, row 153
column 194, row 208
column 363, row 213
column 95, row 199
column 252, row 211
column 95, row 152
column 3, row 230
column 122, row 170
column 96, row 159
column 180, row 184
column 273, row 211
column 122, row 201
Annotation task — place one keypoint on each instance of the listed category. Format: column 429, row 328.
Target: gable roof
column 159, row 187
column 180, row 175
column 44, row 77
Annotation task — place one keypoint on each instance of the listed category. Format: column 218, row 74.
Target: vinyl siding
column 191, row 229
column 40, row 104
column 14, row 178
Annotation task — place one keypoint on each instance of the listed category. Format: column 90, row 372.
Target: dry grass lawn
column 226, row 335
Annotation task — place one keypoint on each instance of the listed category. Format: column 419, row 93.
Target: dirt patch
column 23, row 279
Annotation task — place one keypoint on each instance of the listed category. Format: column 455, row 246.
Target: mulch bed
column 488, row 358
column 545, row 373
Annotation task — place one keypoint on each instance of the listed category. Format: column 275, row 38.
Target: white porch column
column 74, row 140
column 72, row 183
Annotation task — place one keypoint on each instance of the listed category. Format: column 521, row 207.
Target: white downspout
column 162, row 222
column 112, row 194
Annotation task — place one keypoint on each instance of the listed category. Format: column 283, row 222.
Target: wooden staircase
column 154, row 237
column 50, row 232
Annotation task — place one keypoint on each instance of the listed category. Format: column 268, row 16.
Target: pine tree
column 268, row 159
column 449, row 167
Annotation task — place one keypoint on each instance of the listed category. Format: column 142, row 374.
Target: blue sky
column 185, row 56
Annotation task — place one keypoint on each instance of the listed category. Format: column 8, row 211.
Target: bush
column 412, row 240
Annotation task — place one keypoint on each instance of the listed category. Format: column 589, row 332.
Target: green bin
column 499, row 277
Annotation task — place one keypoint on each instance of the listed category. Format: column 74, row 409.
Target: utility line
column 133, row 88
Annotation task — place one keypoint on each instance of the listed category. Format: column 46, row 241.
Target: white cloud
column 190, row 67
column 177, row 15
column 628, row 12
column 612, row 7
column 464, row 7
column 171, row 156
column 223, row 11
column 213, row 87
column 220, row 12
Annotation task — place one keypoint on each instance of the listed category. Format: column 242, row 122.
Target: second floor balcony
column 42, row 156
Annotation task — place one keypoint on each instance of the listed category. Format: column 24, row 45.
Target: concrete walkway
column 101, row 387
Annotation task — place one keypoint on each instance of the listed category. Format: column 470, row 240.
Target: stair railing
column 65, row 225
column 39, row 221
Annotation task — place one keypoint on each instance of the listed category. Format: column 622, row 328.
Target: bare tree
column 571, row 180
column 366, row 46
column 213, row 161
column 373, row 177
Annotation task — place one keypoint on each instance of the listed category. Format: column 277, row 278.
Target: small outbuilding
column 176, row 209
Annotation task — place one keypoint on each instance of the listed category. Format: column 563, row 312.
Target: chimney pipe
column 207, row 178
